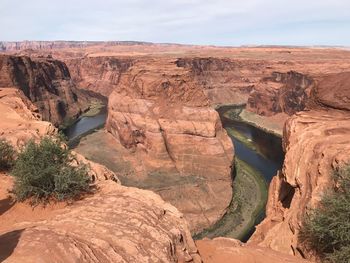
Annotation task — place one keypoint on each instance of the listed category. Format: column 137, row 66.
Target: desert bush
column 326, row 231
column 7, row 155
column 43, row 171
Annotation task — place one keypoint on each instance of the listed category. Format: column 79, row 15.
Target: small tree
column 7, row 155
column 326, row 231
column 43, row 171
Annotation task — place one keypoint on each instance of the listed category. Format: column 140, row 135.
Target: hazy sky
column 217, row 22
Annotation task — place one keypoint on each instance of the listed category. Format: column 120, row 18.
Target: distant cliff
column 42, row 45
column 45, row 82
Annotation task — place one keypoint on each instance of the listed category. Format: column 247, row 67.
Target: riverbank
column 86, row 124
column 248, row 202
column 259, row 156
column 273, row 125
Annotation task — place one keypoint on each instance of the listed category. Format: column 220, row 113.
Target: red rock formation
column 159, row 112
column 222, row 79
column 46, row 82
column 19, row 121
column 282, row 92
column 316, row 142
column 98, row 74
column 117, row 224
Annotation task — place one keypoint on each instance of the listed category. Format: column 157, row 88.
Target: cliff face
column 163, row 115
column 224, row 81
column 316, row 142
column 45, row 82
column 19, row 118
column 99, row 74
column 281, row 92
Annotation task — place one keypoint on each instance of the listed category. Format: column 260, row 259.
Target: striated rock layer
column 316, row 142
column 161, row 114
column 281, row 92
column 45, row 82
column 98, row 74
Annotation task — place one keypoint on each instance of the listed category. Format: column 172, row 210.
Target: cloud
column 220, row 22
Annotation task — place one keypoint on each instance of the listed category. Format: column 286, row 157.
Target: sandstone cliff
column 281, row 92
column 161, row 114
column 19, row 118
column 316, row 142
column 45, row 82
column 98, row 74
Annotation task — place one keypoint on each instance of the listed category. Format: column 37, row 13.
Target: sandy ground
column 12, row 213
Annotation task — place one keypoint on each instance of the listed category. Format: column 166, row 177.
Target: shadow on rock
column 8, row 243
column 6, row 204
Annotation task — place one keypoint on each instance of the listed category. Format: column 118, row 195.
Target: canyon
column 163, row 134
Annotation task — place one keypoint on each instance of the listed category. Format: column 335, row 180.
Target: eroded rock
column 316, row 143
column 162, row 115
column 46, row 83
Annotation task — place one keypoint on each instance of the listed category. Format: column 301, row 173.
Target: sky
column 206, row 22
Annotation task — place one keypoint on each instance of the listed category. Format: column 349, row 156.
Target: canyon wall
column 316, row 142
column 98, row 74
column 280, row 92
column 47, row 83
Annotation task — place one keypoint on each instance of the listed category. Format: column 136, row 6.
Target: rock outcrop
column 116, row 224
column 316, row 143
column 19, row 120
column 46, row 83
column 98, row 74
column 161, row 114
column 282, row 92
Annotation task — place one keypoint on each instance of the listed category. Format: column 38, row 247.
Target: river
column 258, row 157
column 85, row 125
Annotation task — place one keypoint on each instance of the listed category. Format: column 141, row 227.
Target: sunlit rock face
column 45, row 82
column 116, row 224
column 316, row 142
column 159, row 112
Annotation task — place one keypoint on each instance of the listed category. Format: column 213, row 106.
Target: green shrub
column 7, row 155
column 43, row 171
column 326, row 231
